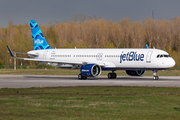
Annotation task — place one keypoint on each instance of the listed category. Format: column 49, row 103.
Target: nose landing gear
column 155, row 77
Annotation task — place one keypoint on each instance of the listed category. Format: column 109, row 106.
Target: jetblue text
column 131, row 56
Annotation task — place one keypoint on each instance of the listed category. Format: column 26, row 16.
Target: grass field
column 86, row 103
column 76, row 72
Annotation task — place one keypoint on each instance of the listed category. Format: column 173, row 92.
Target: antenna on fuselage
column 146, row 46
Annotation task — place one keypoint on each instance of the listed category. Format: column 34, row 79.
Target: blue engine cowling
column 135, row 72
column 90, row 70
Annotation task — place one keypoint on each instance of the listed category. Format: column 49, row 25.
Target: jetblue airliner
column 92, row 61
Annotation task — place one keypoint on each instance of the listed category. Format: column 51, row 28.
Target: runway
column 28, row 81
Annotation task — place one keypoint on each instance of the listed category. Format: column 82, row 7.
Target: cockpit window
column 165, row 55
column 160, row 56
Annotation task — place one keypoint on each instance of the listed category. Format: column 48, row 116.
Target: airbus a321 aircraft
column 92, row 61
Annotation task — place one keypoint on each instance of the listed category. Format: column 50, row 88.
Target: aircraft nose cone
column 172, row 63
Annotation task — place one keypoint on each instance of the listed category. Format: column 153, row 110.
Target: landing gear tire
column 80, row 77
column 109, row 75
column 112, row 75
column 156, row 77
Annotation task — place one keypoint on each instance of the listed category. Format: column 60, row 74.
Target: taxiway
column 28, row 81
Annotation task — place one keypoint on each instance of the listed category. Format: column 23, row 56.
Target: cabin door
column 45, row 54
column 148, row 58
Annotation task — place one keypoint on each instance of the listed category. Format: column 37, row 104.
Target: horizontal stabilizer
column 12, row 54
column 33, row 55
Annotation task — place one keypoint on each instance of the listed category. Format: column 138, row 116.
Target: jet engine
column 135, row 72
column 90, row 70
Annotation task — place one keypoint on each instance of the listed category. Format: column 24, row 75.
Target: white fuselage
column 111, row 58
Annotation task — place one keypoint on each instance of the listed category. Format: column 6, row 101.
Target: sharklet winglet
column 10, row 52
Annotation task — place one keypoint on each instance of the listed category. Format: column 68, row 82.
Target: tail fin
column 39, row 41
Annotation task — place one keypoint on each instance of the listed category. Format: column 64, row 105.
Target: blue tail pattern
column 39, row 41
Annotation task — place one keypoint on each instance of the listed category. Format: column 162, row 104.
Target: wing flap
column 55, row 61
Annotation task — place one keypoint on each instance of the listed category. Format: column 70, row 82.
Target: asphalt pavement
column 28, row 81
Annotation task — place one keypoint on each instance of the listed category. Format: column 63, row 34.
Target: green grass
column 86, row 103
column 76, row 72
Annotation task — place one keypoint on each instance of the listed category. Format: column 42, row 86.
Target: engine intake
column 135, row 72
column 90, row 70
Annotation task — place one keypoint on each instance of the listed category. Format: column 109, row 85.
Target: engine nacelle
column 90, row 70
column 135, row 72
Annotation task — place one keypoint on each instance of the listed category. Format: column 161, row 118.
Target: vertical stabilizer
column 39, row 41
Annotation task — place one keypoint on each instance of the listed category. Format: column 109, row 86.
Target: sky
column 48, row 11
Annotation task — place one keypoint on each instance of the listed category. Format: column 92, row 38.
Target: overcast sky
column 46, row 11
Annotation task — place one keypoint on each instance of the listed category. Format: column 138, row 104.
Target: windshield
column 163, row 55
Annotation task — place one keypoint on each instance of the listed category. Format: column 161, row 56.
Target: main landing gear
column 80, row 77
column 155, row 77
column 112, row 75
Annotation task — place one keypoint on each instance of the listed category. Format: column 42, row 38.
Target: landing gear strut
column 112, row 75
column 155, row 77
column 80, row 77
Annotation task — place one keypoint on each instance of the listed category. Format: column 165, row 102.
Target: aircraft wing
column 56, row 61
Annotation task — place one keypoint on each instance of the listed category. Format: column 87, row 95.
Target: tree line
column 81, row 32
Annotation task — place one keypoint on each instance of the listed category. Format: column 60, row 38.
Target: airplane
column 92, row 61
